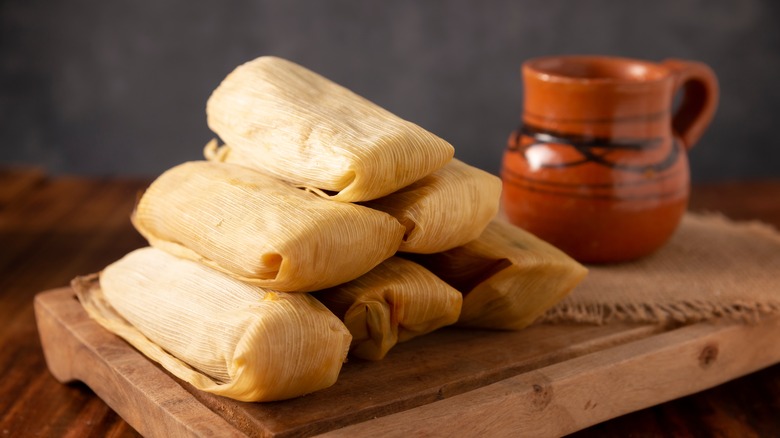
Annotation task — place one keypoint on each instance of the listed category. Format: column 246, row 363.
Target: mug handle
column 699, row 100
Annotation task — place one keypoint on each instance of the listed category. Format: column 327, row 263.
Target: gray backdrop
column 119, row 88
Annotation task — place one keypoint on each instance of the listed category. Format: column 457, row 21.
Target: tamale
column 508, row 276
column 221, row 335
column 262, row 230
column 394, row 302
column 286, row 120
column 446, row 209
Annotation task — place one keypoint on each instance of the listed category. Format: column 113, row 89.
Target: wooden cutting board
column 547, row 380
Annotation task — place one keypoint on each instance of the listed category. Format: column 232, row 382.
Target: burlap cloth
column 712, row 267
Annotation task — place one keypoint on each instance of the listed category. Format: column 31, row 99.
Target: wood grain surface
column 544, row 381
column 52, row 229
column 436, row 367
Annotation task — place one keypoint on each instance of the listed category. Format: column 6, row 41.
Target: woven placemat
column 711, row 268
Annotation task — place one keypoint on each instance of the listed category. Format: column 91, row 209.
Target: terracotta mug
column 599, row 165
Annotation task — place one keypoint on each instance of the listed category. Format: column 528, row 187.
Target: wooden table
column 52, row 229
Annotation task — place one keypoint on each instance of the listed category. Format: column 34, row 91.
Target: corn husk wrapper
column 261, row 230
column 396, row 301
column 446, row 209
column 279, row 117
column 217, row 333
column 508, row 276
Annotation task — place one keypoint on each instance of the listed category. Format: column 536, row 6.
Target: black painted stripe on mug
column 574, row 186
column 552, row 136
column 640, row 118
column 681, row 193
column 585, row 146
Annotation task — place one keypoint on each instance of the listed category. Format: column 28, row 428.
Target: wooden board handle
column 77, row 348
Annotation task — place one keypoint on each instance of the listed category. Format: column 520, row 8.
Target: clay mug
column 599, row 165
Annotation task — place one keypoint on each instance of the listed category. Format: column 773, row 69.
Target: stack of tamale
column 315, row 190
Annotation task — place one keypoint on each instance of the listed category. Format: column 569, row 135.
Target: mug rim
column 580, row 69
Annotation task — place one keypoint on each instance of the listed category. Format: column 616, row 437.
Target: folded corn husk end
column 396, row 301
column 214, row 332
column 508, row 276
column 444, row 210
column 214, row 152
column 301, row 127
column 516, row 296
column 536, row 276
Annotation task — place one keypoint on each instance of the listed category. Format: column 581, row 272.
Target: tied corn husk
column 281, row 118
column 508, row 276
column 261, row 230
column 217, row 333
column 394, row 302
column 446, row 209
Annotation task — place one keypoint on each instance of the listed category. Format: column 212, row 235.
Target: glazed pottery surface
column 599, row 165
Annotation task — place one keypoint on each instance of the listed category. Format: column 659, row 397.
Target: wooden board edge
column 155, row 405
column 548, row 401
column 553, row 401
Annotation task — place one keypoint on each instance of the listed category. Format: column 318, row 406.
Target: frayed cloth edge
column 683, row 312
